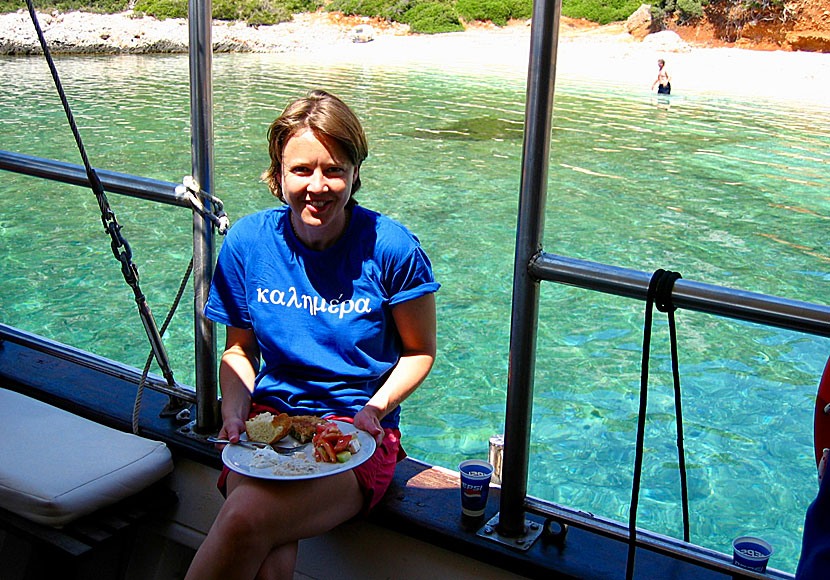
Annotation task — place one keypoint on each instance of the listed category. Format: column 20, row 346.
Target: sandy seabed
column 605, row 55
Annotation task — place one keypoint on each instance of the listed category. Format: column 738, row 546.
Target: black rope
column 140, row 391
column 664, row 304
column 120, row 248
column 659, row 294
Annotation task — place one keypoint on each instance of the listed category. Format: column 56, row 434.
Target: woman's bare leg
column 261, row 516
column 280, row 563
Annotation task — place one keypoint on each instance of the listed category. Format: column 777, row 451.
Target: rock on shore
column 126, row 32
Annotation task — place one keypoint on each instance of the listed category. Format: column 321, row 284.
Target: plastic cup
column 475, row 485
column 751, row 553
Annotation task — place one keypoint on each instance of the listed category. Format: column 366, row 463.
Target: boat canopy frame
column 532, row 265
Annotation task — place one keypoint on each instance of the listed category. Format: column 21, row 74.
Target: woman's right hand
column 232, row 429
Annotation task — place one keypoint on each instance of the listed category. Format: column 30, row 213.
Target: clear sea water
column 725, row 191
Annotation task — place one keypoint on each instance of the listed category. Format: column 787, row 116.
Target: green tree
column 601, row 11
column 431, row 18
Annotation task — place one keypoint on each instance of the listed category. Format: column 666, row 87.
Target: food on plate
column 304, row 427
column 295, row 464
column 267, row 427
column 333, row 446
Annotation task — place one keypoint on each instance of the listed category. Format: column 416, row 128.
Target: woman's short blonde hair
column 330, row 119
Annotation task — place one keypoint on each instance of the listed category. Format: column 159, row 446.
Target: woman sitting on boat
column 338, row 302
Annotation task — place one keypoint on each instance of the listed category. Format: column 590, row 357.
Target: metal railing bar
column 200, row 54
column 709, row 298
column 649, row 540
column 113, row 182
column 92, row 361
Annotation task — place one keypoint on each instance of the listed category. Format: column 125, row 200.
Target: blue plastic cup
column 751, row 553
column 475, row 485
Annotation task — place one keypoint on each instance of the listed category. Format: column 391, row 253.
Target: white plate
column 239, row 459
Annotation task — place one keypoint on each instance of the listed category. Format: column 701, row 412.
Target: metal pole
column 544, row 37
column 201, row 142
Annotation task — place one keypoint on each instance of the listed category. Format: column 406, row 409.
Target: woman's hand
column 231, row 430
column 367, row 419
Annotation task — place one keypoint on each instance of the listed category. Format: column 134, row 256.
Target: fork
column 253, row 445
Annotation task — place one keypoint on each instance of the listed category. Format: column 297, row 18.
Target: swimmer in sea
column 663, row 82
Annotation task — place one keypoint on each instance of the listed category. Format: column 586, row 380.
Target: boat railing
column 687, row 294
column 121, row 183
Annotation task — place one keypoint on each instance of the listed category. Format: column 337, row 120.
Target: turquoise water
column 724, row 191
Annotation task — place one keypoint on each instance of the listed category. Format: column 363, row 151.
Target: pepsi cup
column 751, row 553
column 475, row 485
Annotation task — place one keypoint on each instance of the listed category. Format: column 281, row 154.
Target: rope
column 140, row 392
column 190, row 189
column 664, row 304
column 120, row 248
column 659, row 294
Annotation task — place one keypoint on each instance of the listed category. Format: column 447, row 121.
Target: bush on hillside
column 601, row 11
column 520, row 9
column 496, row 11
column 162, row 9
column 253, row 12
column 684, row 11
column 424, row 16
column 394, row 10
column 689, row 11
column 432, row 18
column 95, row 6
column 373, row 8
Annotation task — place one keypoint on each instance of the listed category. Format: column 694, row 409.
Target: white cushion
column 56, row 467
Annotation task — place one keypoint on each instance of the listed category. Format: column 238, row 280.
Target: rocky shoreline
column 129, row 33
column 603, row 55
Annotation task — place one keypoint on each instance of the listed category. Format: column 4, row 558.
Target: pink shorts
column 373, row 475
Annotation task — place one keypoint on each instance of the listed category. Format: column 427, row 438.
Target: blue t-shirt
column 323, row 319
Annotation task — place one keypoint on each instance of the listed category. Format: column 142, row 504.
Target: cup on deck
column 475, row 485
column 751, row 553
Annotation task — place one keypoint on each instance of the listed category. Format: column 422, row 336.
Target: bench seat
column 56, row 467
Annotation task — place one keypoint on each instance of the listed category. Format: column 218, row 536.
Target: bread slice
column 304, row 427
column 268, row 428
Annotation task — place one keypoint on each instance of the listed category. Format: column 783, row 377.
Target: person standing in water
column 663, row 82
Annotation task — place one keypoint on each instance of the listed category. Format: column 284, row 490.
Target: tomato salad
column 333, row 446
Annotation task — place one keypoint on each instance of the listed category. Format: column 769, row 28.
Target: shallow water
column 727, row 192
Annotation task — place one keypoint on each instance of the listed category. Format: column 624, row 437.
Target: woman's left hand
column 367, row 420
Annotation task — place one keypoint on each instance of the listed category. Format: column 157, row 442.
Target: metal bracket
column 523, row 542
column 190, row 431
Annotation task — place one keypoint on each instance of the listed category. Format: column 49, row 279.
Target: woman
column 338, row 303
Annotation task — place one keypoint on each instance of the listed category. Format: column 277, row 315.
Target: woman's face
column 317, row 183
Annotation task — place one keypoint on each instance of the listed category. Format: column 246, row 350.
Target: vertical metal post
column 544, row 38
column 201, row 146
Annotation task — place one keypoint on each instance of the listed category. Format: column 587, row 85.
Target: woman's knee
column 243, row 519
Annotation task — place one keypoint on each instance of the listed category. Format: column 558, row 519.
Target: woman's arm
column 237, row 372
column 416, row 324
